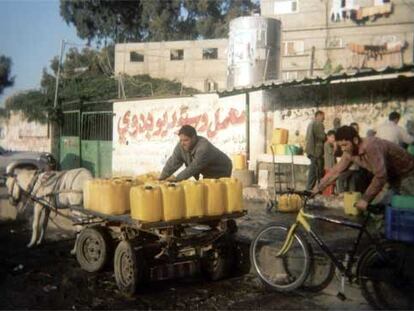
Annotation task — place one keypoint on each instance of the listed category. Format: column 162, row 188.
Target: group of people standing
column 368, row 165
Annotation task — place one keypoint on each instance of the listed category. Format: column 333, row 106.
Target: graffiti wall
column 368, row 115
column 145, row 131
column 19, row 135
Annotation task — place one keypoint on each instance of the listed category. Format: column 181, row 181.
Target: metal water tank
column 254, row 50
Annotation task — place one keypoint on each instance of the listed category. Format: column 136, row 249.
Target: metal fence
column 97, row 125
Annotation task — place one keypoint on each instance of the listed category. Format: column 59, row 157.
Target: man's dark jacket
column 203, row 159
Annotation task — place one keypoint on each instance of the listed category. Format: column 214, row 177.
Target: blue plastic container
column 399, row 224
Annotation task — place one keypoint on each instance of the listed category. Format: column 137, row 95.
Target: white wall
column 145, row 131
column 17, row 134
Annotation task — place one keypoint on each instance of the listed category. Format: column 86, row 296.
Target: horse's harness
column 42, row 200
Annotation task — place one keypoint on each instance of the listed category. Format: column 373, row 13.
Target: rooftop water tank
column 254, row 50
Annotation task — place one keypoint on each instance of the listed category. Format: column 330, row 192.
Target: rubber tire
column 306, row 267
column 320, row 261
column 129, row 268
column 103, row 241
column 370, row 289
column 216, row 265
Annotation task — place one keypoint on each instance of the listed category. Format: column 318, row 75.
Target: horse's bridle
column 29, row 190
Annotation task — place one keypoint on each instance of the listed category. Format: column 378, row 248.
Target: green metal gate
column 86, row 141
column 96, row 142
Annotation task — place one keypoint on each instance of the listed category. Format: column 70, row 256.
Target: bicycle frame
column 302, row 220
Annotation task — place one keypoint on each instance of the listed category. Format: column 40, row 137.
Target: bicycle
column 284, row 260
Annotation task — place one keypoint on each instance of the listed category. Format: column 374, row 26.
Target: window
column 335, row 43
column 210, row 85
column 290, row 75
column 176, row 54
column 136, row 57
column 210, row 53
column 293, row 48
column 286, row 7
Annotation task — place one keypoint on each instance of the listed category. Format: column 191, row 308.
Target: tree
column 99, row 20
column 86, row 76
column 5, row 68
column 152, row 20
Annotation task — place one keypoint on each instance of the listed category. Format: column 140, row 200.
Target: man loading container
column 391, row 166
column 199, row 156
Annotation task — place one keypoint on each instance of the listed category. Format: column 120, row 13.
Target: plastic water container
column 146, row 203
column 289, row 203
column 292, row 149
column 410, row 149
column 295, row 202
column 234, row 195
column 173, row 202
column 239, row 162
column 283, row 203
column 194, row 198
column 403, row 201
column 87, row 201
column 280, row 136
column 109, row 197
column 279, row 149
column 214, row 197
column 350, row 198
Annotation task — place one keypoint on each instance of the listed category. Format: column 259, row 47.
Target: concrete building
column 200, row 64
column 319, row 37
column 322, row 37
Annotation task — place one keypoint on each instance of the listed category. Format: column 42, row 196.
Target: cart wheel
column 129, row 268
column 217, row 263
column 93, row 248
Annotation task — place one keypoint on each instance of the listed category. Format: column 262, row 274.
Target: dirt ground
column 48, row 277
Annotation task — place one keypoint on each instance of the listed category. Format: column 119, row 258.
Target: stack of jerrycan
column 289, row 203
column 241, row 171
column 108, row 196
column 280, row 140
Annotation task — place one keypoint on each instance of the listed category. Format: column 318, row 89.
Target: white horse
column 56, row 189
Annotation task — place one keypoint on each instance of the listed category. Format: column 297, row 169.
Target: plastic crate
column 399, row 224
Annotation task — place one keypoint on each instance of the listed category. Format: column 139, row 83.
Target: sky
column 30, row 34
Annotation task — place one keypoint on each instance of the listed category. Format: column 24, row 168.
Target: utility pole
column 62, row 47
column 312, row 61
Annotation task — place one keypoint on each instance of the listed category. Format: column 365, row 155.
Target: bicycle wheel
column 271, row 268
column 386, row 278
column 321, row 272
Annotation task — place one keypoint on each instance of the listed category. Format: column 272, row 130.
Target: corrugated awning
column 349, row 76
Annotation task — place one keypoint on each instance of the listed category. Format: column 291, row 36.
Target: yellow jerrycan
column 283, row 203
column 108, row 196
column 173, row 202
column 295, row 202
column 214, row 197
column 146, row 203
column 87, row 202
column 234, row 195
column 194, row 198
column 350, row 198
column 239, row 162
column 280, row 136
column 114, row 197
